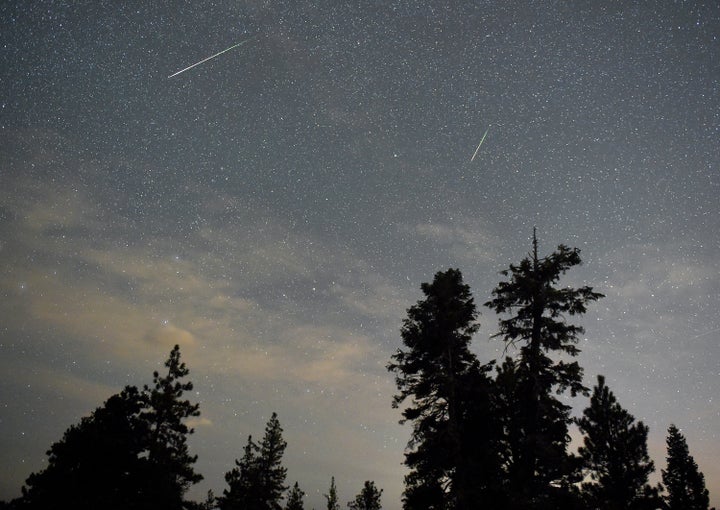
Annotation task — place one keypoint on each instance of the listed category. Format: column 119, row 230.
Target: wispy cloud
column 469, row 241
column 120, row 299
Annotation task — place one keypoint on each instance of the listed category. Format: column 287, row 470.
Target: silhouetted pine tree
column 509, row 416
column 332, row 497
column 257, row 482
column 683, row 480
column 441, row 377
column 210, row 503
column 368, row 499
column 171, row 465
column 130, row 453
column 539, row 469
column 614, row 454
column 97, row 463
column 273, row 474
column 478, row 476
column 295, row 498
column 244, row 484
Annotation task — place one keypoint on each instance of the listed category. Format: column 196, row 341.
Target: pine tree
column 614, row 454
column 509, row 415
column 210, row 502
column 332, row 497
column 368, row 499
column 172, row 470
column 295, row 498
column 257, row 482
column 437, row 372
column 97, row 463
column 244, row 484
column 272, row 471
column 130, row 453
column 539, row 469
column 683, row 480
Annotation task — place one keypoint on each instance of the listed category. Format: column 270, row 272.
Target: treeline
column 132, row 453
column 484, row 436
column 497, row 437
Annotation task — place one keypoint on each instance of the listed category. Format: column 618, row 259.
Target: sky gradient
column 274, row 210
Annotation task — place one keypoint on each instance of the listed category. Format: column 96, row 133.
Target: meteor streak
column 211, row 57
column 481, row 142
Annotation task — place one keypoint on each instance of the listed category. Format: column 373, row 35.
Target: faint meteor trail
column 703, row 334
column 211, row 57
column 481, row 142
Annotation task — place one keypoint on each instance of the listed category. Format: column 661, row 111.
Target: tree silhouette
column 97, row 463
column 368, row 499
column 257, row 481
column 332, row 497
column 438, row 374
column 615, row 456
column 272, row 471
column 172, row 470
column 683, row 480
column 210, row 502
column 130, row 453
column 295, row 498
column 539, row 469
column 244, row 484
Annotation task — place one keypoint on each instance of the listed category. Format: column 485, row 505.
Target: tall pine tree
column 130, row 453
column 368, row 499
column 332, row 497
column 244, row 485
column 438, row 374
column 257, row 482
column 683, row 480
column 172, row 470
column 272, row 449
column 539, row 468
column 614, row 455
column 295, row 498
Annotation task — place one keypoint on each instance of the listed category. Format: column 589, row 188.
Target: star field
column 275, row 209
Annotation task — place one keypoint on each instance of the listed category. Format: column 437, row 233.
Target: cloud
column 659, row 291
column 233, row 293
column 220, row 305
column 60, row 383
column 168, row 335
column 328, row 354
column 373, row 297
column 466, row 240
column 197, row 422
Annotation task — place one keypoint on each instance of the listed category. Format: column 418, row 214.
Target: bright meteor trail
column 210, row 57
column 481, row 142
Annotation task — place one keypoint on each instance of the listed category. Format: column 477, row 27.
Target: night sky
column 274, row 210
